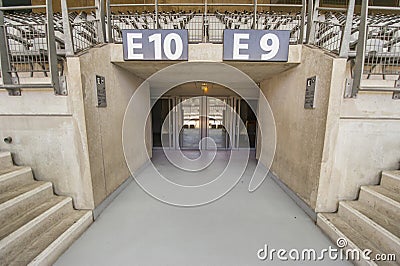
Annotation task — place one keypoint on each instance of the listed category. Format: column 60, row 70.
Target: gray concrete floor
column 136, row 229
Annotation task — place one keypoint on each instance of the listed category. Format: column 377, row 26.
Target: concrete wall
column 324, row 155
column 104, row 125
column 67, row 139
column 301, row 133
column 367, row 143
column 49, row 135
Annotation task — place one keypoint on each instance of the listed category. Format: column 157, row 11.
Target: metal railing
column 333, row 33
column 37, row 42
column 282, row 21
column 84, row 35
column 382, row 51
column 29, row 46
column 377, row 49
column 83, row 31
column 328, row 36
column 195, row 27
column 207, row 28
column 208, row 25
column 370, row 41
column 124, row 21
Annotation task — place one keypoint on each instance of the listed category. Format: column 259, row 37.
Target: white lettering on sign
column 134, row 45
column 150, row 45
column 256, row 45
column 156, row 38
column 269, row 43
column 237, row 46
column 168, row 46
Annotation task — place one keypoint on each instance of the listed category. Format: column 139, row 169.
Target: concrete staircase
column 371, row 222
column 36, row 226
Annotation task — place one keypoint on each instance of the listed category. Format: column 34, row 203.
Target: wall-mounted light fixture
column 204, row 87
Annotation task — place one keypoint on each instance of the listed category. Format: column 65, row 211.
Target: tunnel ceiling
column 258, row 71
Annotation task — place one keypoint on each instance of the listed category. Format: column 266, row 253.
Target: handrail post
column 156, row 11
column 314, row 19
column 4, row 59
column 109, row 26
column 255, row 16
column 52, row 51
column 345, row 45
column 68, row 40
column 303, row 21
column 360, row 53
column 100, row 17
column 310, row 6
column 205, row 22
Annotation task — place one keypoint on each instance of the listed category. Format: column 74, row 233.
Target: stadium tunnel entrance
column 80, row 126
column 66, row 90
column 198, row 90
column 196, row 110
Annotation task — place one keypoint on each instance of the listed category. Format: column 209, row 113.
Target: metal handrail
column 103, row 7
column 383, row 8
column 82, row 8
column 8, row 80
column 281, row 5
column 361, row 49
column 98, row 6
column 127, row 5
column 335, row 9
column 181, row 4
column 205, row 4
column 229, row 4
column 345, row 39
column 12, row 8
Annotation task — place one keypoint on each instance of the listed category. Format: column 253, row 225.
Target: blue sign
column 256, row 45
column 155, row 44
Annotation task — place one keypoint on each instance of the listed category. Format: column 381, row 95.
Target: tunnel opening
column 193, row 111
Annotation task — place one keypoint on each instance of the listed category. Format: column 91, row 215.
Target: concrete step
column 391, row 181
column 391, row 225
column 381, row 199
column 377, row 83
column 47, row 247
column 7, row 170
column 20, row 176
column 36, row 226
column 384, row 239
column 5, row 196
column 17, row 207
column 335, row 227
column 5, row 161
column 77, row 224
column 389, row 193
column 23, row 238
column 21, row 218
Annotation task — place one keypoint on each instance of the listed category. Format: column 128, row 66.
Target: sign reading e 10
column 155, row 44
column 256, row 45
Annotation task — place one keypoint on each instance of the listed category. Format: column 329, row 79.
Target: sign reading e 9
column 256, row 45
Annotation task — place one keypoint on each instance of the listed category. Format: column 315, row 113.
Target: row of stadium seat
column 383, row 32
column 214, row 23
column 264, row 21
column 27, row 32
